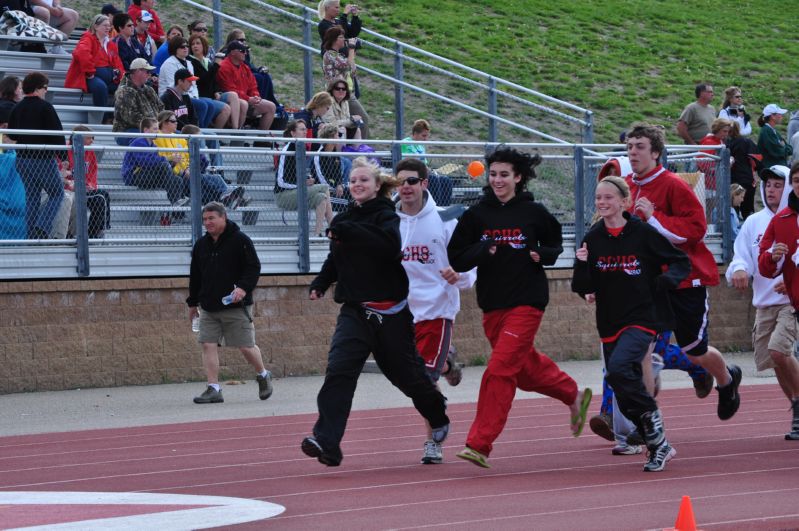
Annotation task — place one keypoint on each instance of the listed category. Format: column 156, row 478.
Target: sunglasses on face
column 172, row 121
column 344, row 89
column 242, row 40
column 203, row 30
column 184, row 46
column 412, row 181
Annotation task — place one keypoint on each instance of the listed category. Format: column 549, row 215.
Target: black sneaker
column 793, row 435
column 231, row 196
column 659, row 456
column 264, row 385
column 311, row 447
column 703, row 385
column 729, row 399
column 602, row 425
column 635, row 438
column 209, row 396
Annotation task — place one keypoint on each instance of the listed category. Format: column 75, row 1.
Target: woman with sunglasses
column 207, row 86
column 198, row 28
column 339, row 112
column 336, row 66
column 129, row 46
column 733, row 109
column 210, row 112
column 96, row 66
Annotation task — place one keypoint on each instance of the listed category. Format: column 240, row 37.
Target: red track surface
column 740, row 474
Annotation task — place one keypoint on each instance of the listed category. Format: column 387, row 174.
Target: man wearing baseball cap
column 156, row 30
column 235, row 76
column 135, row 100
column 176, row 98
column 770, row 144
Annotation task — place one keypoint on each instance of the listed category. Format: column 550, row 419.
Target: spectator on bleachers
column 235, row 76
column 176, row 98
column 312, row 114
column 38, row 168
column 439, row 186
column 12, row 191
column 143, row 22
column 339, row 112
column 318, row 194
column 336, row 66
column 330, row 15
column 198, row 28
column 263, row 79
column 150, row 171
column 332, row 171
column 129, row 46
column 743, row 151
column 97, row 201
column 10, row 93
column 135, row 101
column 52, row 13
column 213, row 186
column 96, row 66
column 163, row 52
column 156, row 30
column 209, row 111
column 205, row 69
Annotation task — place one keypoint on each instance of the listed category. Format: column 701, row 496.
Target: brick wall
column 93, row 333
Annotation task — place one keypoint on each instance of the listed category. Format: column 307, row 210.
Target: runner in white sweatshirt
column 434, row 298
column 775, row 328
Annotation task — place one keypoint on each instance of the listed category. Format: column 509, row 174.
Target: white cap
column 773, row 108
column 146, row 16
column 140, row 63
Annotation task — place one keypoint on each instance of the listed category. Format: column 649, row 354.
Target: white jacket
column 746, row 248
column 424, row 246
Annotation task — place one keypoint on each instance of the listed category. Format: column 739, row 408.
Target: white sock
column 215, row 386
column 264, row 373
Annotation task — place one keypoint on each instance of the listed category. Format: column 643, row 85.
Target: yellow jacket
column 164, row 142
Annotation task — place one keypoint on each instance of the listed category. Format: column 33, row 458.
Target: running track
column 740, row 474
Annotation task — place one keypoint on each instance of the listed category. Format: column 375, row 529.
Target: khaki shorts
column 287, row 199
column 775, row 329
column 234, row 325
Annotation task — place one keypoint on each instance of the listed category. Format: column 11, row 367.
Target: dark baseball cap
column 110, row 9
column 184, row 73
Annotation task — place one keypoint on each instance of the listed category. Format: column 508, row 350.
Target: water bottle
column 228, row 299
column 195, row 325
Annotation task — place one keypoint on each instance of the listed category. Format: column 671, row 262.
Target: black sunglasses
column 412, row 181
column 172, row 121
column 204, row 30
column 340, row 88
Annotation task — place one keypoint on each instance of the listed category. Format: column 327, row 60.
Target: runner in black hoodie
column 509, row 238
column 620, row 265
column 365, row 261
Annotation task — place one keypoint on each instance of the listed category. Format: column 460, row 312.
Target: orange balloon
column 476, row 169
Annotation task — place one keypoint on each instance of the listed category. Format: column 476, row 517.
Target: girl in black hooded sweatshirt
column 626, row 265
column 365, row 262
column 510, row 238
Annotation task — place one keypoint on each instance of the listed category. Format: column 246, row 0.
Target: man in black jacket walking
column 224, row 273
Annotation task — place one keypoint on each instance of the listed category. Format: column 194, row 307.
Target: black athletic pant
column 623, row 360
column 390, row 338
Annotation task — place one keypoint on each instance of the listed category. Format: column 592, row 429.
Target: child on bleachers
column 97, row 201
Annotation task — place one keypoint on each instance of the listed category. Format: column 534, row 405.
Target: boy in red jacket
column 668, row 204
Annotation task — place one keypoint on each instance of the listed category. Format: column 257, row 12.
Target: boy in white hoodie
column 433, row 298
column 775, row 325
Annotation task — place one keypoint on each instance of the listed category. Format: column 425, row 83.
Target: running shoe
column 658, row 457
column 455, row 374
column 474, row 456
column 432, row 453
column 311, row 447
column 703, row 385
column 627, row 449
column 209, row 396
column 793, row 435
column 729, row 399
column 264, row 385
column 602, row 425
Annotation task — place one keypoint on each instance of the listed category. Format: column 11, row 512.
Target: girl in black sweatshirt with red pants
column 625, row 265
column 365, row 262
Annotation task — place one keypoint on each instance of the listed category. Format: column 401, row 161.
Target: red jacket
column 90, row 160
column 782, row 228
column 88, row 56
column 680, row 217
column 156, row 30
column 238, row 79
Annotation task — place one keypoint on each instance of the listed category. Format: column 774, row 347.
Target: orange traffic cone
column 685, row 517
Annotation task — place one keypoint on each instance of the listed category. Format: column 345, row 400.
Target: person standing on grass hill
column 733, row 109
column 434, row 297
column 775, row 330
column 770, row 144
column 697, row 117
column 668, row 204
column 224, row 273
column 509, row 238
column 365, row 262
column 626, row 267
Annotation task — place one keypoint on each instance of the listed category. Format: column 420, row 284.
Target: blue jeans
column 38, row 175
column 211, row 185
column 126, row 140
column 101, row 85
column 207, row 110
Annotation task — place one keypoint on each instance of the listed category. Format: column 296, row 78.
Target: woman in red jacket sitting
column 96, row 66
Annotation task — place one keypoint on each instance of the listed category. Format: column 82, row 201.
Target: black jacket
column 217, row 266
column 626, row 275
column 206, row 85
column 182, row 106
column 365, row 258
column 35, row 113
column 510, row 277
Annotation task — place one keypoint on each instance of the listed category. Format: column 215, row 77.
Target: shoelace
column 370, row 313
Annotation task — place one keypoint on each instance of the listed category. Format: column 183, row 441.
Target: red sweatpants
column 514, row 363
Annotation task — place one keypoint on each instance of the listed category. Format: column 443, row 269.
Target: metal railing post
column 307, row 58
column 195, row 178
column 304, row 245
column 579, row 192
column 664, row 158
column 217, row 25
column 492, row 109
column 79, row 201
column 396, row 154
column 723, row 203
column 399, row 92
column 588, row 128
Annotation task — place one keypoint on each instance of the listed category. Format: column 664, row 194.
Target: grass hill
column 624, row 60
